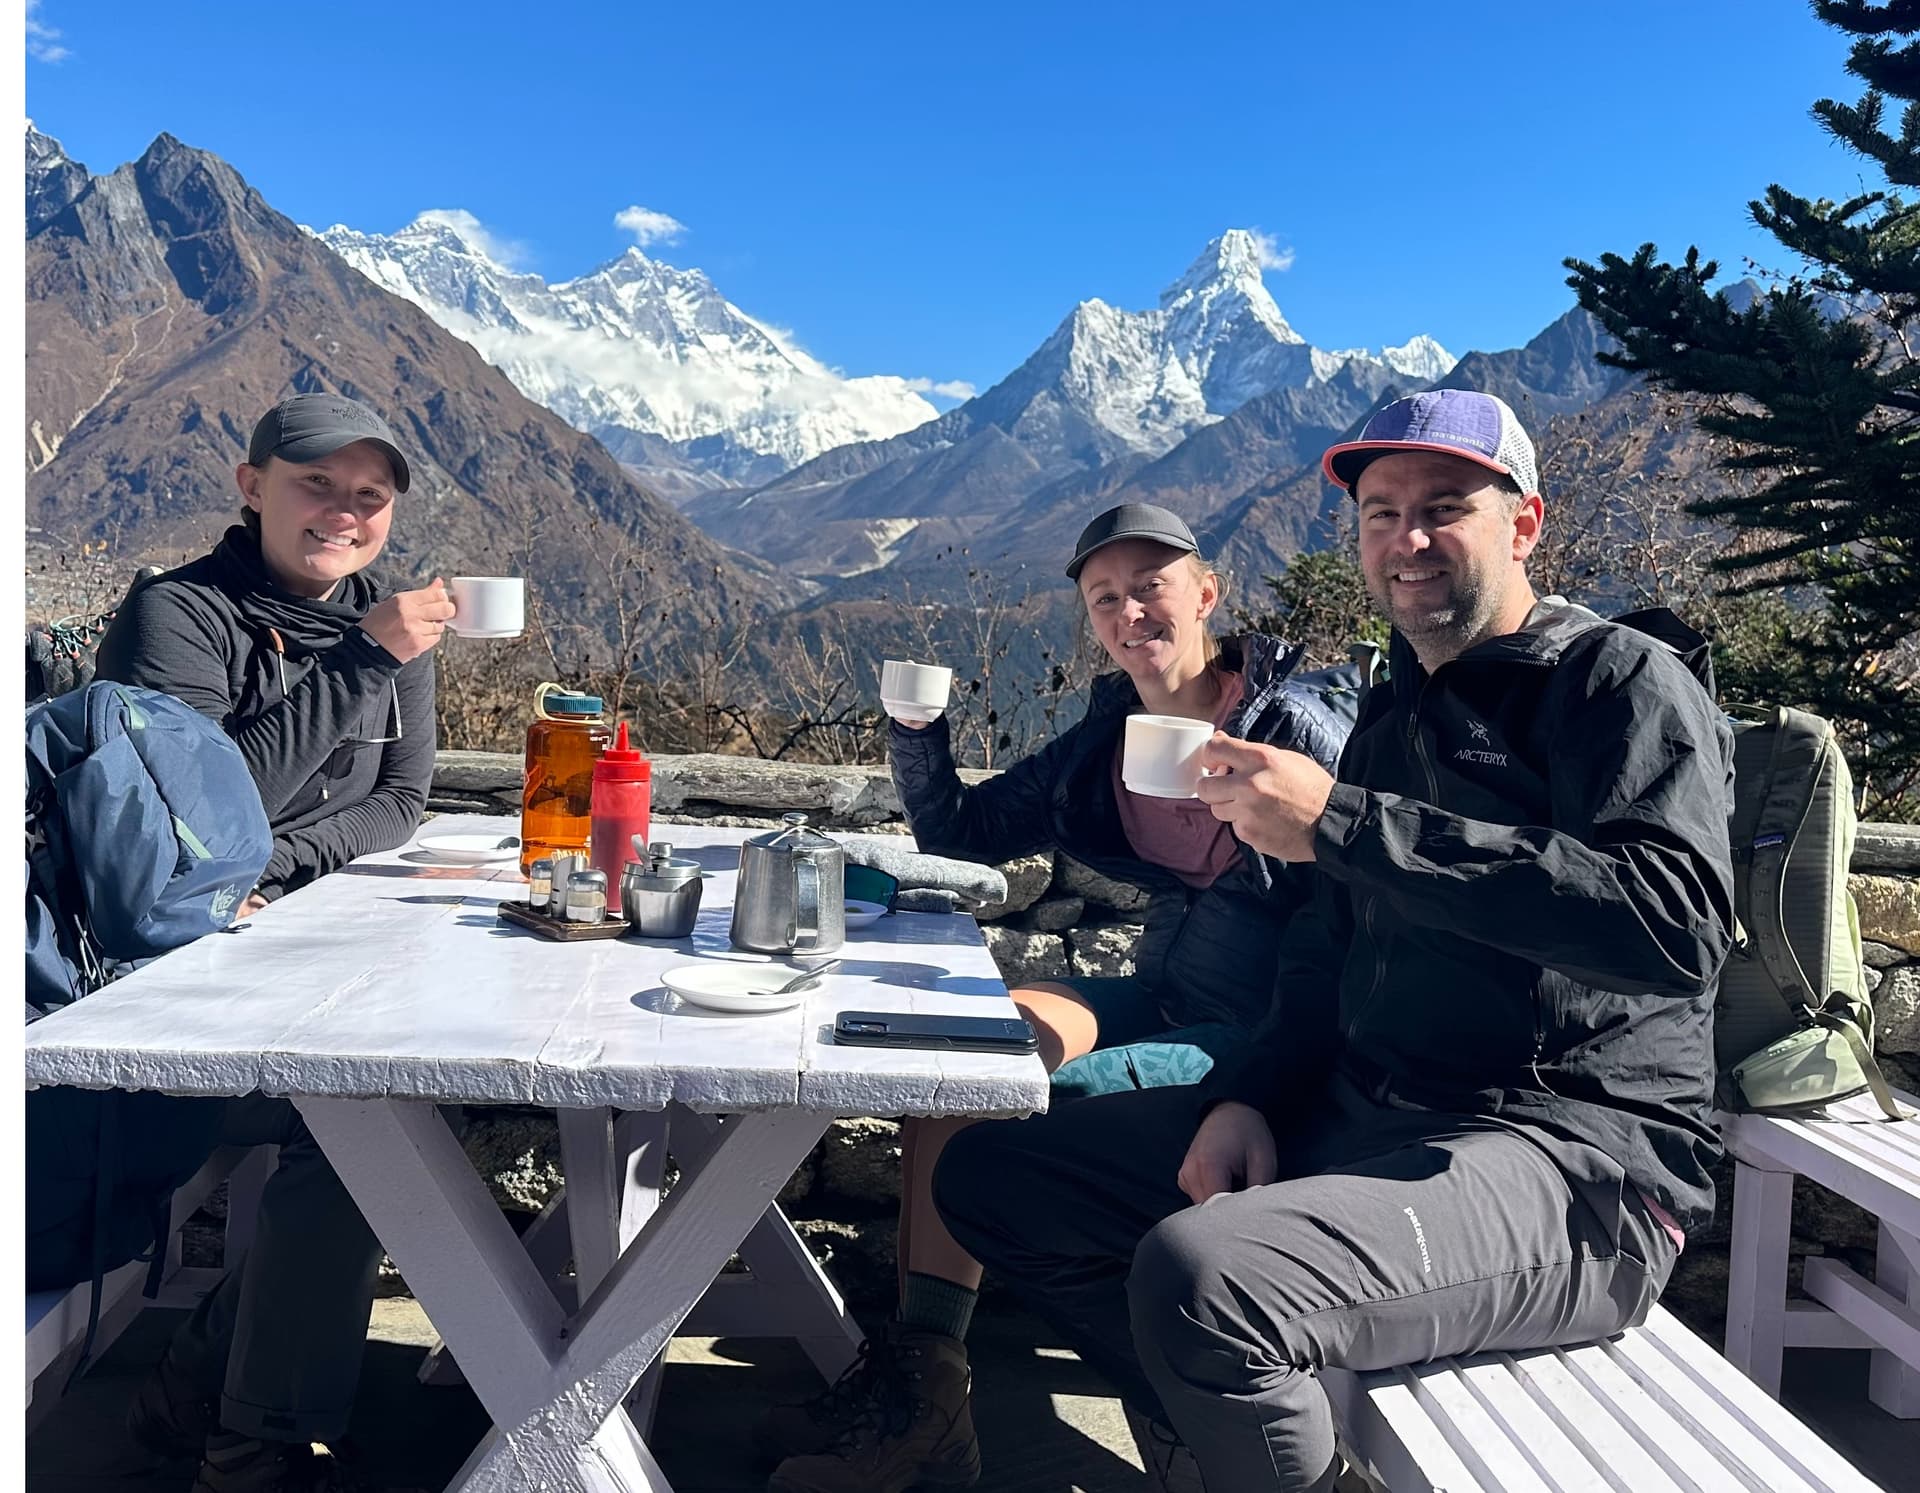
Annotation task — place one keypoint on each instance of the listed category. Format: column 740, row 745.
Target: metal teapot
column 791, row 896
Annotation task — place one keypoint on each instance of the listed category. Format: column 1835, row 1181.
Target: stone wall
column 1061, row 918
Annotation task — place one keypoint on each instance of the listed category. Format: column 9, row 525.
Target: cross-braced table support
column 554, row 1383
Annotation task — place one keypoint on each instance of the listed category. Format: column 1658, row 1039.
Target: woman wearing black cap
column 324, row 679
column 1205, row 963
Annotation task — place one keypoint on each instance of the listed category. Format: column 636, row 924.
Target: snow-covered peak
column 1221, row 286
column 1419, row 357
column 43, row 151
column 636, row 346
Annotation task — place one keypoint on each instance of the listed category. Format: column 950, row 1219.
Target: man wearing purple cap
column 1477, row 1116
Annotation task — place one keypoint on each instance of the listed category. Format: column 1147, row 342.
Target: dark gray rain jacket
column 1526, row 898
column 1210, row 955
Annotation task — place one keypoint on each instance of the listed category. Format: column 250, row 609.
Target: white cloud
column 43, row 41
column 952, row 388
column 508, row 253
column 648, row 226
column 1273, row 256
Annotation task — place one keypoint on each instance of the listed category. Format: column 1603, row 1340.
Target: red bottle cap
column 620, row 763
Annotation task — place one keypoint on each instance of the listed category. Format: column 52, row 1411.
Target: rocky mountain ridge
column 168, row 305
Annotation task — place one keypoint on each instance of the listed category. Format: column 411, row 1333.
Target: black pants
column 1393, row 1236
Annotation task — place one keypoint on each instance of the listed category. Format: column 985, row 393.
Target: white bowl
column 907, row 710
column 742, row 989
column 862, row 914
column 470, row 850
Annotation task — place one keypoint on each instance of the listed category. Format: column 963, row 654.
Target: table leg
column 785, row 1292
column 593, row 1201
column 1757, row 1273
column 553, row 1385
column 1892, row 1383
column 640, row 1146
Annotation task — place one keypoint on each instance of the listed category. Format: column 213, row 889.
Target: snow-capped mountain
column 1148, row 379
column 1108, row 389
column 637, row 349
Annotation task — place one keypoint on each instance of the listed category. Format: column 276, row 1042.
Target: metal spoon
column 805, row 978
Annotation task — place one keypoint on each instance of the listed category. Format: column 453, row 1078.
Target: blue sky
column 927, row 190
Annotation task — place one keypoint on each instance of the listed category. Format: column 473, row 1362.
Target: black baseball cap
column 1131, row 521
column 309, row 427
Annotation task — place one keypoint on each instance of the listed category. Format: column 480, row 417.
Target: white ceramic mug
column 488, row 606
column 914, row 692
column 1161, row 758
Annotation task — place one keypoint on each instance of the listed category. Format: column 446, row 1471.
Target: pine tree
column 1817, row 382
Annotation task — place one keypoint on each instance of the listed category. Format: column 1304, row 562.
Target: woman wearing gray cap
column 1204, row 966
column 324, row 679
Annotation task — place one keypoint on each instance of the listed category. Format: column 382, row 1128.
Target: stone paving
column 1046, row 1424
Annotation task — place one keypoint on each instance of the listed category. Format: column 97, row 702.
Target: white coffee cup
column 1161, row 758
column 489, row 606
column 914, row 692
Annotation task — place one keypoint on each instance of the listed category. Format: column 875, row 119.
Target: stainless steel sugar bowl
column 791, row 896
column 660, row 898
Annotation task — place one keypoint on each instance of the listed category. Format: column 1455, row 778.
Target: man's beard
column 1451, row 627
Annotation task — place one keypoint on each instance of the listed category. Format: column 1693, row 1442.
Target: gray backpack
column 1793, row 1028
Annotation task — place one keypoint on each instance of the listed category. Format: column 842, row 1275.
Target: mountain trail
column 114, row 379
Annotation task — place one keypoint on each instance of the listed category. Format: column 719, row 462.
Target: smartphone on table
column 947, row 1033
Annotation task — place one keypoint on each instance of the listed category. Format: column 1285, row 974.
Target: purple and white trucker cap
column 1460, row 422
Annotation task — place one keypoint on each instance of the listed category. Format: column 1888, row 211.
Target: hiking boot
column 169, row 1416
column 239, row 1464
column 817, row 1424
column 1169, row 1461
column 911, row 1426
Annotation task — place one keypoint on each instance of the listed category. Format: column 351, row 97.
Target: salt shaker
column 540, row 890
column 587, row 897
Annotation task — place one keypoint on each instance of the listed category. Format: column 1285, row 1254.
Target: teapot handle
column 806, row 903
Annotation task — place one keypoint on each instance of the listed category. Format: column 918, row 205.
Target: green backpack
column 1793, row 1028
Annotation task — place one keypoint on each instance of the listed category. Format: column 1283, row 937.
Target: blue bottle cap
column 574, row 704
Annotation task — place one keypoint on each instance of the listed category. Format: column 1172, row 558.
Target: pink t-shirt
column 1181, row 834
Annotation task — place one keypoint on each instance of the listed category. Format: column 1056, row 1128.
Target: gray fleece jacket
column 337, row 733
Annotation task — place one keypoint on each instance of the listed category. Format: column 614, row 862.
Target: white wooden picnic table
column 391, row 987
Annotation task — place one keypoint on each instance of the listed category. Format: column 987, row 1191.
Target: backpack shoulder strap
column 1793, row 767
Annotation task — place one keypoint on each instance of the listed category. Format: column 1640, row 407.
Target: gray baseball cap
column 1131, row 521
column 308, row 427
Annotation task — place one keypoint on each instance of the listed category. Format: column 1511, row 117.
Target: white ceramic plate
column 861, row 914
column 470, row 850
column 906, row 710
column 741, row 988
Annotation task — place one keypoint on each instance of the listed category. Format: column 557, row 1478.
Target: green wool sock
column 930, row 1304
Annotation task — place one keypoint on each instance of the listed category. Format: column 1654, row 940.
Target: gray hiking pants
column 281, row 1337
column 1394, row 1236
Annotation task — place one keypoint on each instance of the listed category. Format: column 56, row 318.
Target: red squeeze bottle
column 622, row 799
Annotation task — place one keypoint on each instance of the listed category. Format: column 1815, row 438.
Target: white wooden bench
column 57, row 1320
column 1653, row 1410
column 1869, row 1160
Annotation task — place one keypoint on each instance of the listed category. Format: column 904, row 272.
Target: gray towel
column 916, row 871
column 927, row 899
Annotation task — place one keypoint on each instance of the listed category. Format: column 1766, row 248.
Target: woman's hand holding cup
column 408, row 623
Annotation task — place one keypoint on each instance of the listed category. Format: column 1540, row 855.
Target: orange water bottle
column 622, row 799
column 556, row 805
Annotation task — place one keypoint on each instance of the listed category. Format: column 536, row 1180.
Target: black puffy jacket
column 1210, row 955
column 1526, row 898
